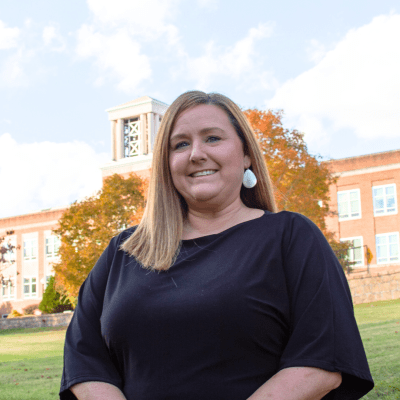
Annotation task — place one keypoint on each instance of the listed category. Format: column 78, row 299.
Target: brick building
column 365, row 197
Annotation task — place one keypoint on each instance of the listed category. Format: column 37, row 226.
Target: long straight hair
column 156, row 241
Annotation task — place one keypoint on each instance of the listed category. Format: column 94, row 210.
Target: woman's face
column 203, row 139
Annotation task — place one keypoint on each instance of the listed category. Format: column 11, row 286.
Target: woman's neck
column 200, row 223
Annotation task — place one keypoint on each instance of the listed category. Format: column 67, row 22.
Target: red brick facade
column 373, row 182
column 35, row 266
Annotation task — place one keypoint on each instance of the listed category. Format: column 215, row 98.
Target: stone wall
column 61, row 319
column 374, row 286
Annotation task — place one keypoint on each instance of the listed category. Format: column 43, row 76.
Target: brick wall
column 62, row 319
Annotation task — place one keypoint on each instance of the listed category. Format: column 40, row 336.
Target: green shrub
column 53, row 301
column 30, row 309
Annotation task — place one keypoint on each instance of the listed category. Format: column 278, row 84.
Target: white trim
column 367, row 170
column 36, row 225
column 34, row 245
column 388, row 258
column 362, row 249
column 53, row 238
column 30, row 296
column 384, row 206
column 9, row 297
column 359, row 200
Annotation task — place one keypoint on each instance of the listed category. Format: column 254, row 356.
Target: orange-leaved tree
column 300, row 180
column 86, row 228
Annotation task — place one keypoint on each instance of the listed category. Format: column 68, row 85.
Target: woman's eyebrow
column 202, row 131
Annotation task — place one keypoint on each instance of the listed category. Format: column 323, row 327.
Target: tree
column 53, row 301
column 300, row 180
column 86, row 228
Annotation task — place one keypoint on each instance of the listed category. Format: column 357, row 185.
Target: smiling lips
column 203, row 173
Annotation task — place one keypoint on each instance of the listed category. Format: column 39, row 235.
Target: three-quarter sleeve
column 323, row 329
column 86, row 357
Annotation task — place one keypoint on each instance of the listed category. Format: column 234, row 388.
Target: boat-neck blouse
column 234, row 309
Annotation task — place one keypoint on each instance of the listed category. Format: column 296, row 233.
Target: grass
column 31, row 359
column 379, row 325
column 379, row 311
column 31, row 363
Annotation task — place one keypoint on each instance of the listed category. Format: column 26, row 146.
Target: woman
column 247, row 303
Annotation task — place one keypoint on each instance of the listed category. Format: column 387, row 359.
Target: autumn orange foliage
column 87, row 227
column 300, row 180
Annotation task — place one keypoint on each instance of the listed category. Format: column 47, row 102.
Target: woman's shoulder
column 123, row 235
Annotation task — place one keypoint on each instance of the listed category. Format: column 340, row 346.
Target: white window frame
column 351, row 257
column 349, row 204
column 32, row 254
column 385, row 212
column 53, row 242
column 8, row 287
column 30, row 294
column 387, row 244
column 10, row 256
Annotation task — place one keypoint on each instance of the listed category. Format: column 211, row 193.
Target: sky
column 332, row 67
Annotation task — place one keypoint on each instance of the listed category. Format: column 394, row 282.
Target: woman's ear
column 247, row 162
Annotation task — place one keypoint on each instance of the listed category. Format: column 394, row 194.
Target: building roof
column 389, row 159
column 382, row 153
column 139, row 100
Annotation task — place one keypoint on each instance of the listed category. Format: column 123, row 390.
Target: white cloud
column 116, row 55
column 52, row 38
column 40, row 175
column 208, row 4
column 8, row 36
column 355, row 86
column 26, row 62
column 142, row 18
column 13, row 70
column 119, row 31
column 316, row 51
column 235, row 61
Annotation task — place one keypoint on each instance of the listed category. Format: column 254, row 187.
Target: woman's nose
column 197, row 153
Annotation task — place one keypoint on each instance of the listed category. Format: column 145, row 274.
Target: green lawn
column 31, row 359
column 31, row 363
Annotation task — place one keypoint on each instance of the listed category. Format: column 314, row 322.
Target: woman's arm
column 298, row 383
column 96, row 391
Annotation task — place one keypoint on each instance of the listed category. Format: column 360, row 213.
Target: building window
column 132, row 137
column 30, row 249
column 387, row 248
column 355, row 254
column 7, row 252
column 30, row 288
column 52, row 246
column 384, row 199
column 349, row 204
column 8, row 289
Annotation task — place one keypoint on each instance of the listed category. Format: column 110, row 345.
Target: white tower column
column 150, row 117
column 113, row 147
column 142, row 148
column 119, row 139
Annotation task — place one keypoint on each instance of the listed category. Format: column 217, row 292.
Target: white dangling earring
column 249, row 179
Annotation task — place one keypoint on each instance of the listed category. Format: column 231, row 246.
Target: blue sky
column 331, row 66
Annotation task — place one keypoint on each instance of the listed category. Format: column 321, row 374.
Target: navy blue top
column 234, row 309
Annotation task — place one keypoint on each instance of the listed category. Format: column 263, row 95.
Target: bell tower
column 134, row 126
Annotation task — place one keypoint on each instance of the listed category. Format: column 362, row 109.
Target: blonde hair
column 157, row 239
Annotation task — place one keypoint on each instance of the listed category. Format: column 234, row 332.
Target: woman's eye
column 179, row 145
column 209, row 138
